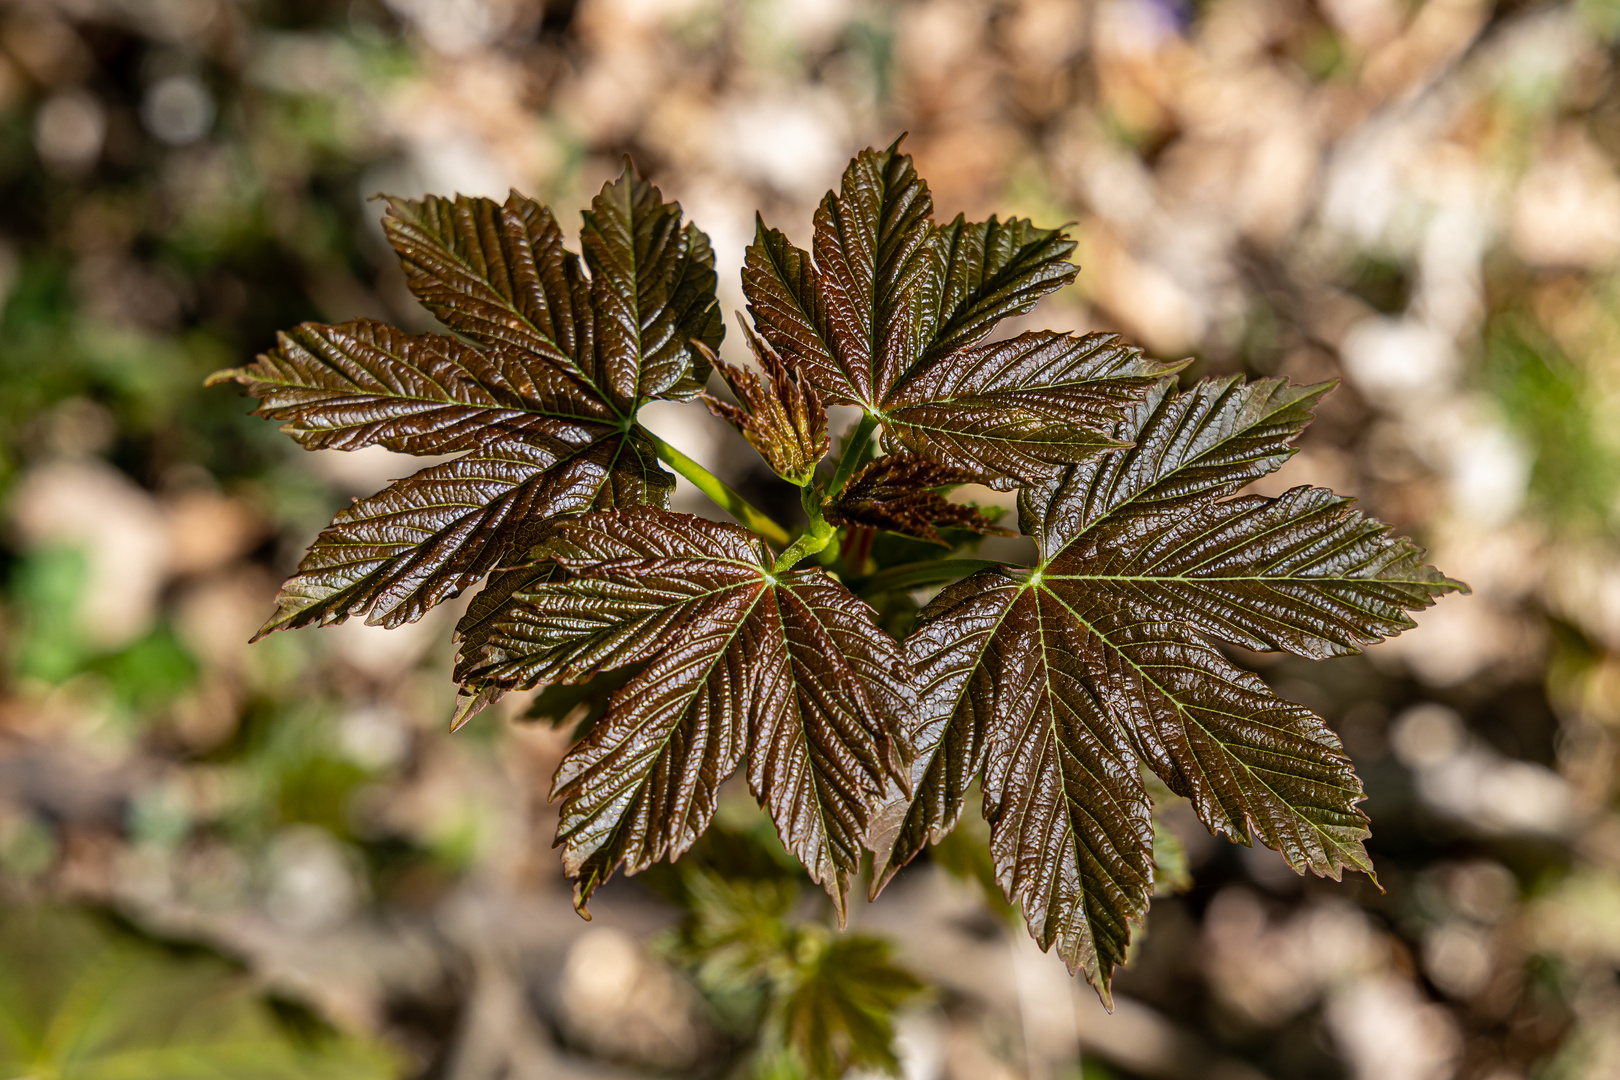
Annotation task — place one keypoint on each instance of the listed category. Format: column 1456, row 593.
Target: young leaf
column 888, row 314
column 499, row 275
column 781, row 415
column 993, row 270
column 788, row 669
column 538, row 397
column 839, row 1013
column 1058, row 683
column 425, row 538
column 1016, row 411
column 900, row 493
column 365, row 383
column 652, row 294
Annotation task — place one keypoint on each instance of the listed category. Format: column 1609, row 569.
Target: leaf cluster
column 690, row 649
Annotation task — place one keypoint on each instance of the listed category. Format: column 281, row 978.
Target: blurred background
column 274, row 861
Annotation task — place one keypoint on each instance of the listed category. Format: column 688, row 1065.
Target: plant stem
column 852, row 454
column 716, row 489
column 910, row 575
column 808, row 544
column 816, row 538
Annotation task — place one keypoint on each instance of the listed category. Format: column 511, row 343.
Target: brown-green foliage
column 1054, row 686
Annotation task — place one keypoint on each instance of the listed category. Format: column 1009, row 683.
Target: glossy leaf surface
column 365, row 383
column 788, row 670
column 500, row 275
column 536, row 395
column 888, row 312
column 1062, row 691
column 1059, row 684
column 426, row 538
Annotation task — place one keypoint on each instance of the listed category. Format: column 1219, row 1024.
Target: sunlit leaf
column 787, row 670
column 426, row 538
column 889, row 312
column 365, row 383
column 652, row 294
column 1058, row 683
column 993, row 270
column 536, row 395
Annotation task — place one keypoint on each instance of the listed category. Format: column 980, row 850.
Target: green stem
column 816, row 537
column 853, row 449
column 808, row 544
column 911, row 575
column 716, row 489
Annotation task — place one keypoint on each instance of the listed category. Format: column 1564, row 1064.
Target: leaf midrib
column 1202, row 579
column 639, row 786
column 509, row 305
column 804, row 734
column 1330, row 843
column 635, row 291
column 1070, row 837
column 525, row 408
column 1103, row 443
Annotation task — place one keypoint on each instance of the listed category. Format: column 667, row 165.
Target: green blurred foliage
column 1549, row 400
column 142, row 678
column 289, row 770
column 82, row 1001
column 837, row 1012
column 45, row 589
column 804, row 1001
column 1171, row 874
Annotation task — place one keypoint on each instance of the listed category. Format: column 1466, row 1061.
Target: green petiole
column 716, row 489
column 853, row 450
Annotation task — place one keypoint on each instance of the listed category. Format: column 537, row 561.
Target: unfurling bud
column 780, row 414
column 900, row 493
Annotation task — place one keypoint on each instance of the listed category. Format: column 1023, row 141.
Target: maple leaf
column 538, row 395
column 1058, row 684
column 890, row 311
column 780, row 414
column 786, row 669
column 499, row 275
column 900, row 493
